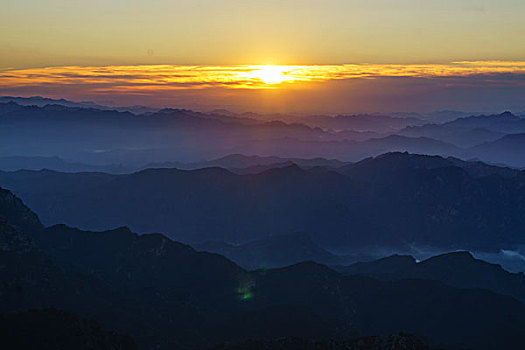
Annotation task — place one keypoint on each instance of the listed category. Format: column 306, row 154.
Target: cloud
column 306, row 88
column 247, row 77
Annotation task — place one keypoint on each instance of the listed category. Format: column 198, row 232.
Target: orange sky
column 36, row 33
column 301, row 89
column 340, row 55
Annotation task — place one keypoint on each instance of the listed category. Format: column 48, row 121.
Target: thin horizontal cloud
column 482, row 85
column 166, row 77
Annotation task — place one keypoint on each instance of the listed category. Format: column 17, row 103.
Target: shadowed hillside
column 164, row 293
column 53, row 330
column 394, row 200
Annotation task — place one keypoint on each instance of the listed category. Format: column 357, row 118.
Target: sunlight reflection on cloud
column 174, row 77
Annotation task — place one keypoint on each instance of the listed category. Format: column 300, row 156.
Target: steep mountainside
column 166, row 294
column 52, row 329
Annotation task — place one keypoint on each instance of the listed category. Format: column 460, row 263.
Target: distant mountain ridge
column 470, row 131
column 180, row 229
column 509, row 149
column 362, row 122
column 86, row 134
column 459, row 269
column 43, row 101
column 106, row 136
column 393, row 200
column 273, row 251
column 235, row 162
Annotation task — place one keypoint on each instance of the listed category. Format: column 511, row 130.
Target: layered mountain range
column 88, row 136
column 133, row 227
column 396, row 200
column 166, row 295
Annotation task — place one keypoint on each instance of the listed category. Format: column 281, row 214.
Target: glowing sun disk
column 271, row 74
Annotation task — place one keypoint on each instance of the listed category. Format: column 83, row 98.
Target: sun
column 271, row 74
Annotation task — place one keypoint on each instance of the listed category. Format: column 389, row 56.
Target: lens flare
column 246, row 289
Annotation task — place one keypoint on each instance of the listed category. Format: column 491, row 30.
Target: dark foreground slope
column 393, row 342
column 394, row 200
column 165, row 294
column 157, row 290
column 52, row 329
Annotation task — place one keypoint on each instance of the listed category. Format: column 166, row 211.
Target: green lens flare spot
column 246, row 291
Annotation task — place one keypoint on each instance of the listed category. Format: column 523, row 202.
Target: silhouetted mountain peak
column 395, row 161
column 454, row 266
column 507, row 114
column 314, row 269
column 173, row 110
column 440, row 167
column 501, row 117
column 411, row 159
column 16, row 213
column 56, row 107
column 398, row 258
column 388, row 265
column 122, row 230
column 461, row 258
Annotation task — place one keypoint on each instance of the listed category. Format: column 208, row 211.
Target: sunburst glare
column 271, row 74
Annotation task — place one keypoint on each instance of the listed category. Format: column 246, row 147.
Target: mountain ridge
column 439, row 202
column 304, row 300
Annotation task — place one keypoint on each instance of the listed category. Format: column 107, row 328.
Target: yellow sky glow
column 243, row 77
column 465, row 85
column 177, row 77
